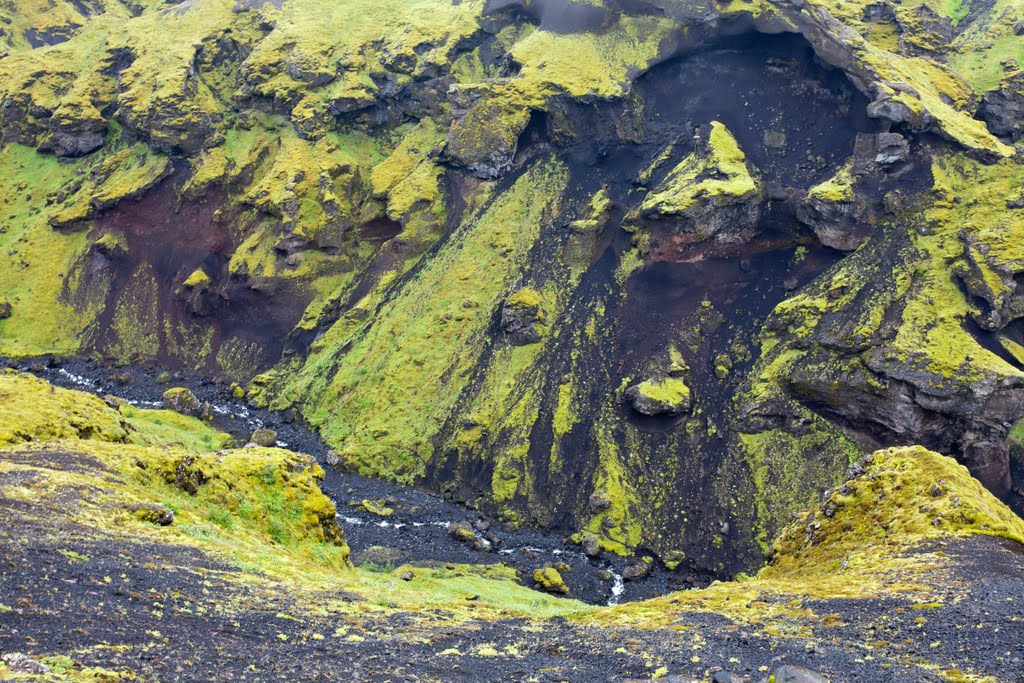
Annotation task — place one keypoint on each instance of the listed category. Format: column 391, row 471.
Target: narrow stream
column 416, row 531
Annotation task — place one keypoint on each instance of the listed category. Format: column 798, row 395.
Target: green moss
column 668, row 390
column 525, row 298
column 550, row 580
column 720, row 175
column 33, row 410
column 838, row 188
column 588, row 64
column 157, row 427
column 197, row 279
column 41, row 265
column 381, row 406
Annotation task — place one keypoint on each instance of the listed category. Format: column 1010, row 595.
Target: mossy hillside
column 597, row 64
column 182, row 98
column 34, row 410
column 868, row 538
column 362, row 38
column 387, row 395
column 965, row 209
column 36, row 21
column 149, row 427
column 38, row 261
column 514, row 401
column 259, row 509
column 840, row 343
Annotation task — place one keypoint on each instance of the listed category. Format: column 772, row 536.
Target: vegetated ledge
column 897, row 539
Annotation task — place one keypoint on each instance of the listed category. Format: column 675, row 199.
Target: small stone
column 796, row 674
column 153, row 513
column 591, row 547
column 267, row 438
column 598, row 503
column 638, row 569
column 237, row 392
column 408, row 576
column 331, row 458
column 605, row 575
column 726, row 677
column 6, row 309
column 481, row 546
column 462, row 532
column 163, row 378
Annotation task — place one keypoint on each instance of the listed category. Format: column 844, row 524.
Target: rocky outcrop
column 1003, row 108
column 485, row 137
column 522, row 317
column 709, row 195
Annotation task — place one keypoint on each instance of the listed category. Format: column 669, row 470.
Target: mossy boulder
column 660, row 396
column 550, row 579
column 153, row 513
column 267, row 438
column 485, row 138
column 894, row 499
column 181, row 400
column 522, row 317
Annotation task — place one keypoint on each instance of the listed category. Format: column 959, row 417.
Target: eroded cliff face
column 652, row 274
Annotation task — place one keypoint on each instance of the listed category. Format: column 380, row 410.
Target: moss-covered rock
column 550, row 580
column 660, row 396
column 711, row 194
column 181, row 400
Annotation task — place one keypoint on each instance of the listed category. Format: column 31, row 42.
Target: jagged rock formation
column 485, row 246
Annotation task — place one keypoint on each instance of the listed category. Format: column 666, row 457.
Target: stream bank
column 417, row 531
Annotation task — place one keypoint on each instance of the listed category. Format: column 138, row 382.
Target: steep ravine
column 648, row 276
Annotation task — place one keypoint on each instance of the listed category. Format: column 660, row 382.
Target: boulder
column 638, row 568
column 1002, row 109
column 266, row 438
column 550, row 580
column 794, row 674
column 23, row 664
column 660, row 396
column 485, row 138
column 832, row 210
column 522, row 317
column 462, row 532
column 182, row 400
column 153, row 513
column 598, row 503
column 711, row 194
